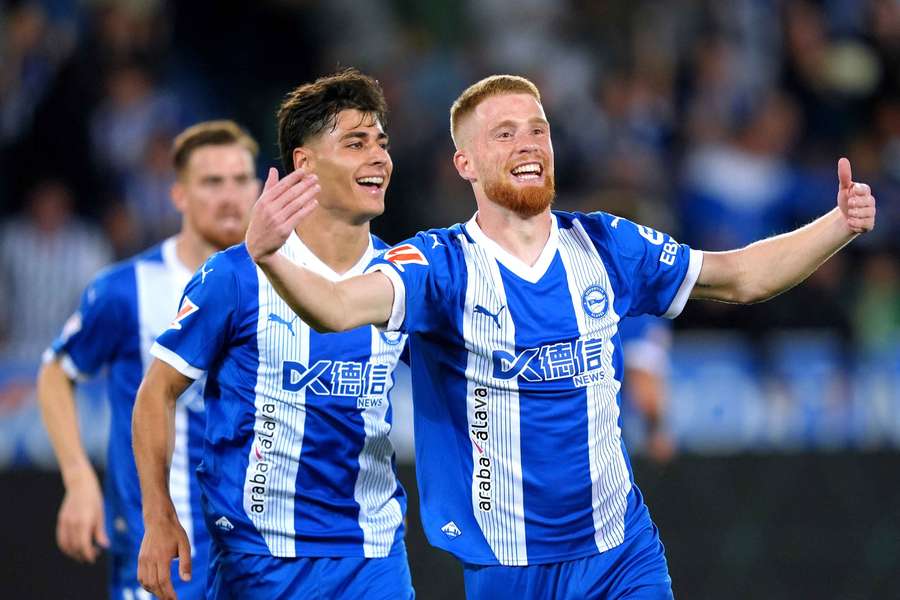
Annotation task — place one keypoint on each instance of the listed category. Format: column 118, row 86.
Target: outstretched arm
column 324, row 305
column 80, row 523
column 153, row 436
column 769, row 267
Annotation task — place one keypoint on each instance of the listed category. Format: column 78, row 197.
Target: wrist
column 78, row 474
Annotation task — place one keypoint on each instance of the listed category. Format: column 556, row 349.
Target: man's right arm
column 324, row 305
column 80, row 523
column 153, row 438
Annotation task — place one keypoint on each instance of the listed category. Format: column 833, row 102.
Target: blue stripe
column 554, row 428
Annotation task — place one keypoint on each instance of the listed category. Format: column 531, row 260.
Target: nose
column 379, row 156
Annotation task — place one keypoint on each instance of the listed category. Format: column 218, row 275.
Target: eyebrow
column 511, row 123
column 363, row 135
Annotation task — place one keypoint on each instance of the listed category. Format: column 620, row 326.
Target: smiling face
column 353, row 165
column 505, row 151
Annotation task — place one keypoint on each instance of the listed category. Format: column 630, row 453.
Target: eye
column 504, row 135
column 538, row 131
column 355, row 145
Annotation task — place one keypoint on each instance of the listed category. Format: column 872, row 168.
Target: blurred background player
column 121, row 313
column 299, row 482
column 646, row 343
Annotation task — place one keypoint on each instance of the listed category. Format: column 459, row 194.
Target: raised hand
column 855, row 200
column 164, row 540
column 80, row 527
column 278, row 211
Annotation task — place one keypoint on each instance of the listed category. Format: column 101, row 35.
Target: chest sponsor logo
column 580, row 361
column 367, row 381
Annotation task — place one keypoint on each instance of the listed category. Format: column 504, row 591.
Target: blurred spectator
column 877, row 310
column 147, row 188
column 47, row 256
column 31, row 50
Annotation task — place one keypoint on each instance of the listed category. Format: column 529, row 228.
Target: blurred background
column 718, row 122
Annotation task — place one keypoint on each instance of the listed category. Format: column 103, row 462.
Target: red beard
column 526, row 201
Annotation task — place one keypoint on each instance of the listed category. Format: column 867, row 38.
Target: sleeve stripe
column 65, row 361
column 687, row 284
column 398, row 310
column 175, row 361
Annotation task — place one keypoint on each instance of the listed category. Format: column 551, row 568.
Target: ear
column 464, row 166
column 178, row 195
column 303, row 158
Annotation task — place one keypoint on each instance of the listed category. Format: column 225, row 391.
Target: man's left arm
column 769, row 267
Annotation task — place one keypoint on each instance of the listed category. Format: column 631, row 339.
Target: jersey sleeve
column 661, row 272
column 90, row 336
column 203, row 324
column 410, row 268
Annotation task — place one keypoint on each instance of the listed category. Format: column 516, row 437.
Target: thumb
column 845, row 174
column 272, row 179
column 184, row 558
column 100, row 533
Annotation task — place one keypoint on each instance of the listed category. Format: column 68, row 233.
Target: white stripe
column 687, row 284
column 610, row 482
column 398, row 307
column 159, row 289
column 175, row 361
column 496, row 455
column 379, row 512
column 279, row 424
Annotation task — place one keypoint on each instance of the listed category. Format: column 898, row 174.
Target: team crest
column 187, row 309
column 391, row 338
column 595, row 301
column 405, row 254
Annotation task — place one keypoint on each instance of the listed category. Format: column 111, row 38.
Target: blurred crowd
column 719, row 122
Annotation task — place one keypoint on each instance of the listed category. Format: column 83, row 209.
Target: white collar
column 530, row 273
column 298, row 252
column 169, row 251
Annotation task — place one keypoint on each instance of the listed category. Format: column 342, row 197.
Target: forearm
column 153, row 439
column 769, row 267
column 56, row 399
column 315, row 299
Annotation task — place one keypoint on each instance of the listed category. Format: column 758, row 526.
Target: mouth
column 373, row 184
column 529, row 172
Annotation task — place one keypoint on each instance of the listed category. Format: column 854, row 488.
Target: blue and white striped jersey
column 121, row 313
column 516, row 372
column 297, row 460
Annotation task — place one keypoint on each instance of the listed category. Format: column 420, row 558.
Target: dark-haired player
column 298, row 475
column 121, row 313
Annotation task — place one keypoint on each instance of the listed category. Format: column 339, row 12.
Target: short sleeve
column 90, row 336
column 660, row 271
column 203, row 324
column 409, row 266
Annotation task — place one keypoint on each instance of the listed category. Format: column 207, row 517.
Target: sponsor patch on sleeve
column 187, row 309
column 405, row 254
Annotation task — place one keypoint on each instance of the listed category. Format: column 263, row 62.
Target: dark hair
column 209, row 133
column 312, row 107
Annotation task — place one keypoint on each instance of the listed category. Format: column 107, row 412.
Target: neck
column 523, row 237
column 336, row 243
column 191, row 249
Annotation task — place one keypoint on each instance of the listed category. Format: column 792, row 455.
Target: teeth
column 527, row 168
column 374, row 180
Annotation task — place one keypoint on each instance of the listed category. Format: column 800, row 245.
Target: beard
column 526, row 201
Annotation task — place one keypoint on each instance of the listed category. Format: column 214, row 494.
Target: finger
column 164, row 580
column 271, row 180
column 284, row 184
column 291, row 194
column 100, row 532
column 83, row 540
column 296, row 203
column 63, row 538
column 184, row 558
column 845, row 174
column 861, row 189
